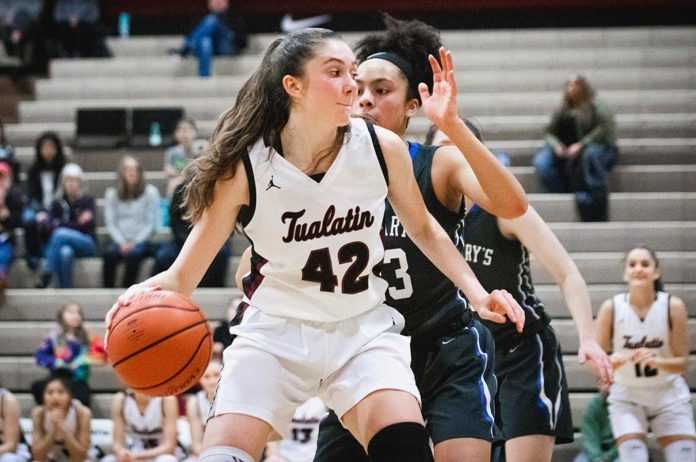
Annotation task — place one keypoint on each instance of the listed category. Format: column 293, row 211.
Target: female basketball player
column 198, row 406
column 144, row 428
column 645, row 329
column 61, row 426
column 308, row 185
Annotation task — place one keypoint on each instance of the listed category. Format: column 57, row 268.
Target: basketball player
column 12, row 446
column 304, row 429
column 645, row 329
column 308, row 185
column 532, row 407
column 144, row 428
column 198, row 406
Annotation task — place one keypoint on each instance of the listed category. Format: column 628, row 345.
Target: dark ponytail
column 261, row 110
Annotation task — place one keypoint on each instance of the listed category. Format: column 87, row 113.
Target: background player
column 198, row 406
column 304, row 429
column 645, row 329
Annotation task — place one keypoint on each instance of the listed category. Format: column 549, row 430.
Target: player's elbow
column 514, row 208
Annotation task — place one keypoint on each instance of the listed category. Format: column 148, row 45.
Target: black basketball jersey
column 417, row 288
column 501, row 263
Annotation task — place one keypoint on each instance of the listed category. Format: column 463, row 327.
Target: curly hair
column 411, row 40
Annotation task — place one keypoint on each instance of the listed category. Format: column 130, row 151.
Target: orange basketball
column 160, row 344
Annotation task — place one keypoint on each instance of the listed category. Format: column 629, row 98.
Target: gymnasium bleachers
column 510, row 81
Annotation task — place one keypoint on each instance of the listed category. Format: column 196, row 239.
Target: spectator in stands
column 7, row 154
column 12, row 445
column 198, row 406
column 131, row 212
column 144, row 428
column 215, row 35
column 179, row 156
column 42, row 184
column 69, row 346
column 11, row 204
column 597, row 438
column 646, row 331
column 78, row 29
column 18, row 26
column 221, row 335
column 72, row 228
column 61, row 425
column 580, row 150
column 167, row 252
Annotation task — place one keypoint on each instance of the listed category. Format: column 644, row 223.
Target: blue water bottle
column 123, row 25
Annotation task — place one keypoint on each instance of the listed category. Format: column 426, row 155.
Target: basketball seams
column 144, row 308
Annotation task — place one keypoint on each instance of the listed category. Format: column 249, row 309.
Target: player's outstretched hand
column 592, row 354
column 124, row 300
column 499, row 306
column 441, row 105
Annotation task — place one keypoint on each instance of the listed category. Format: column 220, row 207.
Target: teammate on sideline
column 645, row 329
column 308, row 185
column 532, row 407
column 198, row 406
column 304, row 429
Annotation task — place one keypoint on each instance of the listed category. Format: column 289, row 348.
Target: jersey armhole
column 246, row 213
column 378, row 151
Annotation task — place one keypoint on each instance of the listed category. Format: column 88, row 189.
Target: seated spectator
column 221, row 335
column 131, row 212
column 61, row 425
column 144, row 428
column 42, row 184
column 597, row 438
column 167, row 252
column 217, row 34
column 12, row 445
column 11, row 204
column 198, row 407
column 72, row 228
column 179, row 156
column 580, row 150
column 19, row 21
column 69, row 346
column 7, row 154
column 78, row 30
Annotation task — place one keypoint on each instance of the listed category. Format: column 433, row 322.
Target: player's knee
column 401, row 442
column 224, row 454
column 681, row 451
column 633, row 450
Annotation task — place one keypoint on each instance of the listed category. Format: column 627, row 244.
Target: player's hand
column 591, row 353
column 499, row 305
column 619, row 359
column 643, row 354
column 441, row 105
column 125, row 300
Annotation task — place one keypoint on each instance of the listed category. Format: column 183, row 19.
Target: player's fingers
column 423, row 91
column 443, row 59
column 519, row 312
column 435, row 65
column 488, row 315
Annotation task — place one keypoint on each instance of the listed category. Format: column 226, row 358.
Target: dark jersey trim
column 669, row 311
column 378, row 150
column 246, row 213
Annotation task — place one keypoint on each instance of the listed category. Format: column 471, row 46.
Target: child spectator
column 11, row 203
column 61, row 425
column 7, row 154
column 12, row 445
column 42, row 184
column 144, row 428
column 178, row 157
column 198, row 407
column 131, row 212
column 69, row 346
column 72, row 228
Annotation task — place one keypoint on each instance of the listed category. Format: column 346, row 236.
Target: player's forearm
column 154, row 452
column 676, row 365
column 577, row 299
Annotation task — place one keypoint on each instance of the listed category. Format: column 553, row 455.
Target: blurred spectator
column 42, row 184
column 78, row 29
column 198, row 407
column 69, row 346
column 219, row 33
column 18, row 23
column 221, row 335
column 168, row 251
column 71, row 224
column 580, row 150
column 131, row 212
column 598, row 440
column 179, row 156
column 11, row 203
column 61, row 425
column 7, row 154
column 12, row 445
column 144, row 428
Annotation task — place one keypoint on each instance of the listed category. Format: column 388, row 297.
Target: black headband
column 399, row 62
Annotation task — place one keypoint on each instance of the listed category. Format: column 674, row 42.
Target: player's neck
column 305, row 140
column 641, row 298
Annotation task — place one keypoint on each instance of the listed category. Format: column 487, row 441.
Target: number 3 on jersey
column 400, row 274
column 319, row 268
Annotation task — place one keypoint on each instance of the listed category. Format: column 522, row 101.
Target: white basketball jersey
column 315, row 244
column 144, row 430
column 304, row 431
column 632, row 333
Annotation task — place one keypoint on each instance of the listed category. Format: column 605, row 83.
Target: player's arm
column 678, row 340
column 10, row 422
column 168, row 443
column 118, row 433
column 196, row 424
column 78, row 444
column 536, row 235
column 405, row 197
column 244, row 267
column 41, row 440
